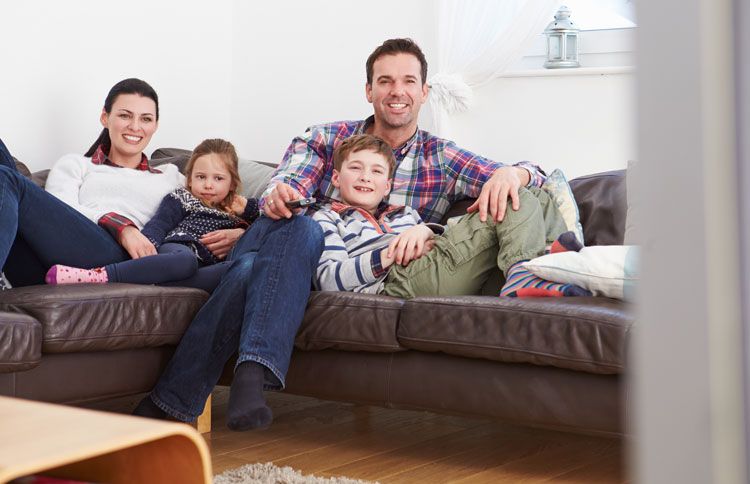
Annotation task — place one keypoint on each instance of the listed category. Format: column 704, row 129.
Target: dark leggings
column 175, row 265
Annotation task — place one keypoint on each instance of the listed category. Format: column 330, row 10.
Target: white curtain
column 477, row 41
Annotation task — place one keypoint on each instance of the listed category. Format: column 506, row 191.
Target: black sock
column 247, row 406
column 147, row 408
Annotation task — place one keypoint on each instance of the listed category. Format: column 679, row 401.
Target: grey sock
column 247, row 406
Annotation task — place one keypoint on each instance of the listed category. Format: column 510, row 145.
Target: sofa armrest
column 20, row 342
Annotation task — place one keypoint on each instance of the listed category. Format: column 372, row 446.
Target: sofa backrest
column 255, row 175
column 602, row 206
column 601, row 197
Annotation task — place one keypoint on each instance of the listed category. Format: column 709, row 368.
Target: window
column 602, row 14
column 606, row 38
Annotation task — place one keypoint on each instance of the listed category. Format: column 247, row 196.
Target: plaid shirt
column 431, row 173
column 113, row 222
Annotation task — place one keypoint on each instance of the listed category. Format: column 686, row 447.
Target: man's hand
column 409, row 245
column 504, row 183
column 220, row 242
column 275, row 206
column 135, row 243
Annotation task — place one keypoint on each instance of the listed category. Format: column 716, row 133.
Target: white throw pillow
column 605, row 270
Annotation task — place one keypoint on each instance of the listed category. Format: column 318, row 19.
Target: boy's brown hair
column 363, row 142
column 229, row 155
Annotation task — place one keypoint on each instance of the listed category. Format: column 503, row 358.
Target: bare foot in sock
column 567, row 241
column 247, row 406
column 60, row 274
column 520, row 282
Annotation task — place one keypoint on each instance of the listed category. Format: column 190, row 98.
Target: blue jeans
column 38, row 230
column 256, row 309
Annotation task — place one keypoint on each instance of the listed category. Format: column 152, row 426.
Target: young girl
column 178, row 256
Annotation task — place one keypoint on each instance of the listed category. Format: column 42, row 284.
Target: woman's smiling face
column 131, row 123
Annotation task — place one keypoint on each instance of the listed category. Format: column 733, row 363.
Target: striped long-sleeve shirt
column 431, row 173
column 354, row 240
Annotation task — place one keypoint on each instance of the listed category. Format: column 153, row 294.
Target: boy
column 374, row 247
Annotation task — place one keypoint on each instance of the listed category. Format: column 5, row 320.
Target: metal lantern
column 562, row 41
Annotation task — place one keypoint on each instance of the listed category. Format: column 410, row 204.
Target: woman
column 89, row 216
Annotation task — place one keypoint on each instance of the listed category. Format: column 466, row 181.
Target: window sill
column 576, row 71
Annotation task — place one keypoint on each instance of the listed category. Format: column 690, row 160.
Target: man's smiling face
column 397, row 91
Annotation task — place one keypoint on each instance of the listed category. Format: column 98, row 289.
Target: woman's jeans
column 256, row 309
column 37, row 230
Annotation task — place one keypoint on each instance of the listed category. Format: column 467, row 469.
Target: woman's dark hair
column 127, row 86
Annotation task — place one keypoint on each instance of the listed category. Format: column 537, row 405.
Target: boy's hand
column 135, row 243
column 239, row 203
column 275, row 206
column 409, row 245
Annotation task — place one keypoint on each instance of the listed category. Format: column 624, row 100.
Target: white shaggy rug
column 270, row 474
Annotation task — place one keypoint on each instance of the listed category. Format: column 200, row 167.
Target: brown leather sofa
column 552, row 362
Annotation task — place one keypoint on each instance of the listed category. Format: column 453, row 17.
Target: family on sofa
column 88, row 226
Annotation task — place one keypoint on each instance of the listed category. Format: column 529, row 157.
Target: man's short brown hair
column 363, row 142
column 393, row 47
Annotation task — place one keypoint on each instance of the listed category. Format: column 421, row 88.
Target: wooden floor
column 399, row 446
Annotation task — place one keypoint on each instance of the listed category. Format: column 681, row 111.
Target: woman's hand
column 135, row 243
column 220, row 242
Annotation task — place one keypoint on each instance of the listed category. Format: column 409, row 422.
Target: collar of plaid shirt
column 101, row 158
column 399, row 152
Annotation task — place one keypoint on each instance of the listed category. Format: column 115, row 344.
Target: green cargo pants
column 467, row 252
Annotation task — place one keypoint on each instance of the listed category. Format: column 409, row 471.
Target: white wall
column 580, row 124
column 258, row 73
column 301, row 62
column 59, row 60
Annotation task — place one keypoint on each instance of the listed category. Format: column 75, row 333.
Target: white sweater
column 95, row 190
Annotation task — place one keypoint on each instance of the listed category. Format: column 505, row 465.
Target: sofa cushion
column 602, row 204
column 578, row 333
column 350, row 322
column 94, row 317
column 558, row 188
column 20, row 342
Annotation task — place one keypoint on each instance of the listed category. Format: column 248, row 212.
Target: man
column 259, row 304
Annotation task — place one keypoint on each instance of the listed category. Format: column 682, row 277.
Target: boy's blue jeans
column 256, row 310
column 37, row 230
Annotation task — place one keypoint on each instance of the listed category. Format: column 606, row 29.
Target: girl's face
column 131, row 125
column 210, row 180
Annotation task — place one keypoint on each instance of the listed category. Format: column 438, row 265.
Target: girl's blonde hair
column 227, row 152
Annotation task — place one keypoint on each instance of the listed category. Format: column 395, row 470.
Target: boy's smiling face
column 364, row 179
